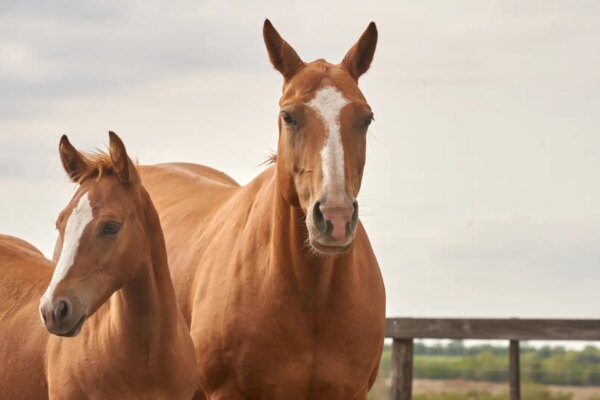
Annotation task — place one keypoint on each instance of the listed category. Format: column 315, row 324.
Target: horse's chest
column 84, row 371
column 319, row 350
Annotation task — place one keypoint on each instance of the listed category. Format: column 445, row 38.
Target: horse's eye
column 288, row 118
column 368, row 121
column 110, row 228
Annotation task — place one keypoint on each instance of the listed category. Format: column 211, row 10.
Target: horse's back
column 24, row 274
column 185, row 172
column 174, row 186
column 13, row 245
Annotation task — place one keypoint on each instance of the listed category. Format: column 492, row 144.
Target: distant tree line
column 546, row 365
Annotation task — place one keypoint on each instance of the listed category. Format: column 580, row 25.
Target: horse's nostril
column 62, row 311
column 44, row 318
column 355, row 211
column 319, row 218
column 317, row 213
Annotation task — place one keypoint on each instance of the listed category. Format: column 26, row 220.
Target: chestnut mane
column 272, row 159
column 97, row 164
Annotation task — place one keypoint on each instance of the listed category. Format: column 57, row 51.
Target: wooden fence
column 404, row 330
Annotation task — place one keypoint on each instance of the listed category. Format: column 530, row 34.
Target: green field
column 547, row 373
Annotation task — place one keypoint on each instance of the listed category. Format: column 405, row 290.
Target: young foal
column 112, row 275
column 277, row 279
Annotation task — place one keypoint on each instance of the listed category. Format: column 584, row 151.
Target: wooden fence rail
column 404, row 330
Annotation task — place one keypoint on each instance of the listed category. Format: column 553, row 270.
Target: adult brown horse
column 112, row 275
column 277, row 278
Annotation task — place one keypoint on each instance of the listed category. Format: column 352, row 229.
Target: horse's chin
column 327, row 249
column 74, row 331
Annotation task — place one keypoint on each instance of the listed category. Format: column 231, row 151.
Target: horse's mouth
column 75, row 330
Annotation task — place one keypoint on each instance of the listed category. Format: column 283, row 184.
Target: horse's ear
column 72, row 161
column 124, row 168
column 283, row 57
column 358, row 59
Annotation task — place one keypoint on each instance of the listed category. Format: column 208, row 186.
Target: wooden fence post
column 402, row 369
column 514, row 371
column 514, row 329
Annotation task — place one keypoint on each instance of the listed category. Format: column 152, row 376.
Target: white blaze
column 328, row 103
column 80, row 217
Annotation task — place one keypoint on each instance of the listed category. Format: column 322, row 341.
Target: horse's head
column 322, row 137
column 103, row 236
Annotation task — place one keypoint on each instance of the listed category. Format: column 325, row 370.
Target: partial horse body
column 277, row 279
column 111, row 275
column 24, row 275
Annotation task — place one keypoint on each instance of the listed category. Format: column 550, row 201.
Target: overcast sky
column 482, row 187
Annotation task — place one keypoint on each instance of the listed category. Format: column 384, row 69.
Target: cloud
column 503, row 268
column 480, row 192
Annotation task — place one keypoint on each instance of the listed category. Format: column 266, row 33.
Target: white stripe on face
column 80, row 217
column 328, row 103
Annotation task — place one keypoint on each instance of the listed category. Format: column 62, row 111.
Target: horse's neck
column 144, row 311
column 291, row 256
